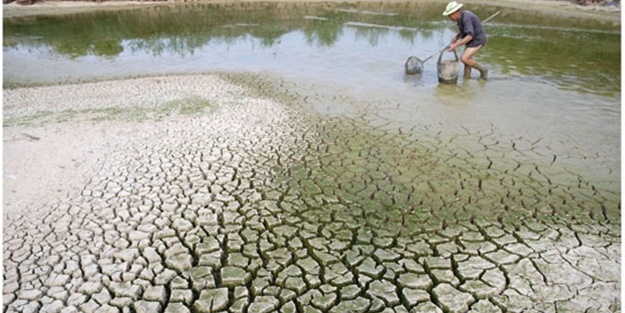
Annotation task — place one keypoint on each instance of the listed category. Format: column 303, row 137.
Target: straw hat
column 452, row 7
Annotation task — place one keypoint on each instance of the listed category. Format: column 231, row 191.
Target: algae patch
column 188, row 106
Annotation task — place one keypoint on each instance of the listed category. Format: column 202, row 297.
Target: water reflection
column 261, row 36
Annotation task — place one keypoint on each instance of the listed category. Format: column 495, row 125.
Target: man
column 471, row 33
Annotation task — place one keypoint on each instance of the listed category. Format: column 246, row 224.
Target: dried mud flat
column 221, row 193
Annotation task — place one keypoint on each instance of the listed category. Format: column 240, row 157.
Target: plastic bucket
column 448, row 69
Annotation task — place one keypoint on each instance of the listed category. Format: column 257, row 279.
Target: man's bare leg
column 467, row 59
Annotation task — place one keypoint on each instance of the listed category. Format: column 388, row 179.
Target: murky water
column 360, row 46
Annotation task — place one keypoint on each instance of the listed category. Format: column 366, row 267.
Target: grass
column 193, row 105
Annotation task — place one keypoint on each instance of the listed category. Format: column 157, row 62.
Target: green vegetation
column 189, row 106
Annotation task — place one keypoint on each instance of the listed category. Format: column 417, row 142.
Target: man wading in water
column 471, row 33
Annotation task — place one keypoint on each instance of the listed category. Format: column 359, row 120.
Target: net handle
column 491, row 17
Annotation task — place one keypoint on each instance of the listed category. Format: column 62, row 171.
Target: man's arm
column 455, row 44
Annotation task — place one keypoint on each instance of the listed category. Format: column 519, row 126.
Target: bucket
column 448, row 69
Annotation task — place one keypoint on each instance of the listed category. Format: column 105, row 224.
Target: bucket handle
column 440, row 56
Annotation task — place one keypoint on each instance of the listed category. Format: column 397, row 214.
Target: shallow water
column 357, row 45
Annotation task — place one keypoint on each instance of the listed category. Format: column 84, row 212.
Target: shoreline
column 556, row 7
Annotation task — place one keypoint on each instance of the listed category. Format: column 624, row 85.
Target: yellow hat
column 452, row 7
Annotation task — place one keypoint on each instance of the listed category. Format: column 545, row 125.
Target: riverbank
column 556, row 7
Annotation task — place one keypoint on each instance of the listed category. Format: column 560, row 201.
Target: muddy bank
column 556, row 7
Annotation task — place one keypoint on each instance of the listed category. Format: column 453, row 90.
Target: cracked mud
column 257, row 205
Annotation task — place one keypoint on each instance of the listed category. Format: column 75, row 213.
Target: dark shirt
column 469, row 24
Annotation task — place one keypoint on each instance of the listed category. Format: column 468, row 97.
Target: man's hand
column 457, row 43
column 452, row 46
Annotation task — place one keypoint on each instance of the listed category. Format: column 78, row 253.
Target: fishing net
column 413, row 66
